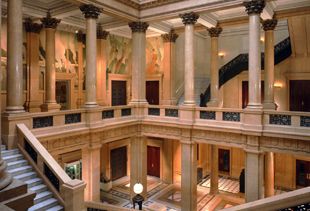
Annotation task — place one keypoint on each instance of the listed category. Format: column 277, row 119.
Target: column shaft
column 269, row 174
column 80, row 74
column 15, row 98
column 214, row 170
column 167, row 161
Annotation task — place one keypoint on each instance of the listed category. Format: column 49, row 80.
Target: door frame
column 118, row 77
column 156, row 77
column 294, row 167
column 70, row 77
column 158, row 143
column 115, row 148
column 230, row 160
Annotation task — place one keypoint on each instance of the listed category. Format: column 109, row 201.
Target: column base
column 90, row 105
column 270, row 106
column 33, row 106
column 253, row 106
column 50, row 107
column 14, row 109
column 213, row 103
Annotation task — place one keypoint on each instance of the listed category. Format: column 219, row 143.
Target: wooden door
column 62, row 94
column 118, row 162
column 153, row 161
column 152, row 92
column 300, row 95
column 302, row 173
column 119, row 95
column 245, row 93
column 224, row 161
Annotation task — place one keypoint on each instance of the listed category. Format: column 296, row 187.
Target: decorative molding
column 147, row 5
column 32, row 27
column 270, row 24
column 215, row 31
column 189, row 18
column 49, row 22
column 170, row 37
column 138, row 26
column 90, row 11
column 282, row 144
column 102, row 34
column 254, row 6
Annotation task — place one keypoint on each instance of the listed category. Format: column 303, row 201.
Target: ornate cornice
column 189, row 18
column 81, row 37
column 138, row 26
column 90, row 11
column 32, row 27
column 215, row 31
column 49, row 22
column 102, row 34
column 170, row 37
column 254, row 6
column 270, row 24
column 147, row 5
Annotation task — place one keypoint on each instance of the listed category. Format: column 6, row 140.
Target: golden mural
column 154, row 55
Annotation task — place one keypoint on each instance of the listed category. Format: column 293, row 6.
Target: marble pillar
column 254, row 175
column 138, row 163
column 269, row 174
column 138, row 62
column 167, row 175
column 214, row 170
column 15, row 88
column 33, row 103
column 169, row 89
column 81, row 39
column 189, row 20
column 91, row 14
column 254, row 9
column 214, row 33
column 50, row 25
column 91, row 172
column 189, row 176
column 101, row 66
column 269, row 26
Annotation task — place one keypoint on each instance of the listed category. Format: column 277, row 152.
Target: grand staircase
column 19, row 168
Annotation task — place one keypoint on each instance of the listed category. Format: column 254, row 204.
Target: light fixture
column 76, row 31
column 138, row 189
column 278, row 85
column 262, row 39
column 221, row 54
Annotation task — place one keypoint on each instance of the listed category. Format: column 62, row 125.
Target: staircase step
column 33, row 182
column 9, row 152
column 39, row 188
column 42, row 196
column 26, row 176
column 56, row 208
column 20, row 170
column 16, row 164
column 3, row 147
column 44, row 205
column 11, row 158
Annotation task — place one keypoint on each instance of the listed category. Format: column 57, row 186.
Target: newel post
column 72, row 193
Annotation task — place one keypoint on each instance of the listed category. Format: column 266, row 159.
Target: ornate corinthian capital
column 138, row 26
column 189, row 18
column 102, row 34
column 49, row 22
column 90, row 11
column 215, row 31
column 170, row 37
column 32, row 27
column 254, row 6
column 270, row 24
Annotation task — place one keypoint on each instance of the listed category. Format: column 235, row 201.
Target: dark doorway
column 302, row 173
column 245, row 93
column 152, row 92
column 224, row 161
column 153, row 161
column 118, row 162
column 300, row 95
column 119, row 96
column 62, row 93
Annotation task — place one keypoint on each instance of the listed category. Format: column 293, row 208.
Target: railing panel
column 40, row 122
column 31, row 152
column 231, row 116
column 207, row 115
column 171, row 112
column 279, row 119
column 72, row 118
column 126, row 112
column 154, row 111
column 108, row 114
column 51, row 176
column 304, row 121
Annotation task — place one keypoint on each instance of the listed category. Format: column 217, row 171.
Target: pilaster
column 81, row 39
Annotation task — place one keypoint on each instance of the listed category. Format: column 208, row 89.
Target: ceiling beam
column 207, row 20
column 268, row 11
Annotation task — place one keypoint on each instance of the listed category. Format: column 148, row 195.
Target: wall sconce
column 277, row 85
column 262, row 39
column 221, row 54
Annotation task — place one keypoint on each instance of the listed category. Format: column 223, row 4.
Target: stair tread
column 6, row 157
column 43, row 204
column 43, row 194
column 19, row 169
column 56, row 208
column 24, row 175
column 16, row 162
column 10, row 151
column 33, row 180
column 38, row 187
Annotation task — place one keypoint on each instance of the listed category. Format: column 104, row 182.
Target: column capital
column 49, row 22
column 215, row 31
column 270, row 24
column 32, row 27
column 81, row 37
column 102, row 34
column 90, row 11
column 138, row 26
column 254, row 6
column 170, row 37
column 189, row 18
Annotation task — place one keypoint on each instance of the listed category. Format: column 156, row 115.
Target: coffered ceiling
column 162, row 15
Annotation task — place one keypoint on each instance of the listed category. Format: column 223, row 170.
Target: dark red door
column 152, row 92
column 153, row 161
column 245, row 93
column 300, row 95
column 119, row 96
column 118, row 162
column 302, row 173
column 224, row 160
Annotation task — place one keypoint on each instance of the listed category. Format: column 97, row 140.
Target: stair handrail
column 66, row 190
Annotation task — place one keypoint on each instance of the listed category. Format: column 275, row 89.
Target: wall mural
column 154, row 55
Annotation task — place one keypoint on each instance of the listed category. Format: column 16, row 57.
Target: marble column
column 254, row 9
column 81, row 39
column 189, row 176
column 138, row 62
column 50, row 25
column 214, row 170
column 15, row 88
column 214, row 33
column 269, row 174
column 167, row 175
column 138, row 163
column 101, row 66
column 169, row 97
column 91, row 172
column 33, row 103
column 269, row 26
column 189, row 20
column 254, row 175
column 91, row 14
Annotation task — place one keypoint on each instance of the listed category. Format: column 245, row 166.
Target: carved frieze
column 90, row 11
column 285, row 144
column 254, row 6
column 138, row 26
column 189, row 18
column 49, row 22
column 270, row 24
